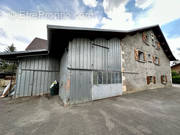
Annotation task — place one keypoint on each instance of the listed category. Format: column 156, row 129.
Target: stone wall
column 135, row 73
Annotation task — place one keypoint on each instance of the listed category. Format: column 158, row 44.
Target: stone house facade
column 144, row 62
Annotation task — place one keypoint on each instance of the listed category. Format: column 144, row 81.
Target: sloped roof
column 59, row 36
column 37, row 44
column 178, row 64
column 19, row 54
column 67, row 33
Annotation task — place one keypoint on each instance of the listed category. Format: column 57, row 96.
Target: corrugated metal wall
column 86, row 56
column 80, row 88
column 64, row 84
column 35, row 75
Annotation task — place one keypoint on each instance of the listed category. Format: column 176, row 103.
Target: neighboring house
column 176, row 68
column 93, row 64
column 37, row 44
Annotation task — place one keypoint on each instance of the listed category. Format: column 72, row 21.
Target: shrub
column 175, row 77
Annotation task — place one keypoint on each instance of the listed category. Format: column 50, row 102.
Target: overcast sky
column 23, row 20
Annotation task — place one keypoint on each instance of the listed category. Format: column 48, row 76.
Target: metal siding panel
column 26, row 83
column 86, row 56
column 80, row 86
column 39, row 83
column 30, row 83
column 46, row 82
column 49, row 81
column 77, row 54
column 21, row 89
column 18, row 83
column 81, row 59
column 77, row 94
column 42, row 82
column 32, row 80
column 35, row 84
column 74, row 55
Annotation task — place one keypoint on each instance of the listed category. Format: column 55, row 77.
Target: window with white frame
column 156, row 60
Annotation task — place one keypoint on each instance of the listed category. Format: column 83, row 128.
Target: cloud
column 21, row 30
column 119, row 18
column 21, row 39
column 162, row 12
column 143, row 3
column 2, row 33
column 109, row 5
column 174, row 44
column 178, row 49
column 90, row 3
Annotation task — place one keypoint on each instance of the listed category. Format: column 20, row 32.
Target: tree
column 10, row 48
column 8, row 66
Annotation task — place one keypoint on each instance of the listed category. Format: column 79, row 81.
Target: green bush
column 175, row 77
column 8, row 67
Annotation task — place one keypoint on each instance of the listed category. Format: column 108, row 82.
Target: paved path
column 176, row 85
column 151, row 112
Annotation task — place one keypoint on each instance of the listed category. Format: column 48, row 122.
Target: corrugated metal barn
column 36, row 69
column 87, row 63
column 90, row 66
column 92, row 70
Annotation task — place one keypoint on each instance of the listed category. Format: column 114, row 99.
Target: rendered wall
column 135, row 73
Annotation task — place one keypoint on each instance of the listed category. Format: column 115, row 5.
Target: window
column 139, row 56
column 156, row 60
column 109, row 77
column 151, row 79
column 153, row 42
column 163, row 79
column 106, row 77
column 158, row 46
column 94, row 77
column 145, row 38
column 100, row 78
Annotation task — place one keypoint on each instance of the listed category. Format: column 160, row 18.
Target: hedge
column 176, row 79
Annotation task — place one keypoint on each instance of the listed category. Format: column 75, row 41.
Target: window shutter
column 154, row 79
column 166, row 77
column 136, row 54
column 144, row 56
column 148, row 80
column 161, row 78
column 153, row 59
column 158, row 61
column 144, row 36
column 158, row 46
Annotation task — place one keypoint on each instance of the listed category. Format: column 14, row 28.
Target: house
column 176, row 68
column 37, row 44
column 93, row 64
